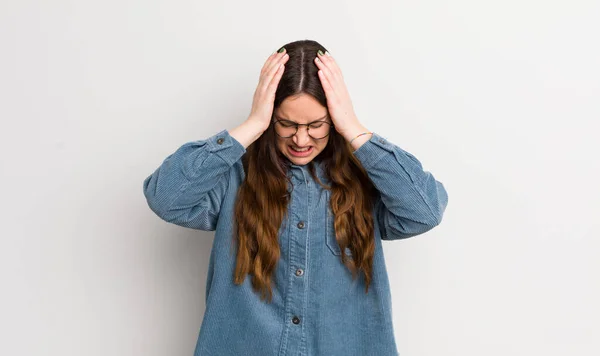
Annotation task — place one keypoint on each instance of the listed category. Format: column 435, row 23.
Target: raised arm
column 190, row 184
column 188, row 187
column 412, row 200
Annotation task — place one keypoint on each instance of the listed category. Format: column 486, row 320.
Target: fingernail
column 320, row 52
column 281, row 50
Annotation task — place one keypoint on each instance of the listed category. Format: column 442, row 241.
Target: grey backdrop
column 498, row 99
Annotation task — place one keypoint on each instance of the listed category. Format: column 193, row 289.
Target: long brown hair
column 263, row 197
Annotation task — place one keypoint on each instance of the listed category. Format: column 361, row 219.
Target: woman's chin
column 300, row 160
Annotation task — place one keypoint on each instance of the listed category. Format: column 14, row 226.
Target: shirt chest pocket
column 330, row 239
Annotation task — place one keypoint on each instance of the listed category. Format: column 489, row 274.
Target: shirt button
column 220, row 140
column 296, row 320
column 301, row 225
column 299, row 272
column 381, row 140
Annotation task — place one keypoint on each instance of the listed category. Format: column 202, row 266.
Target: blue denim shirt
column 317, row 309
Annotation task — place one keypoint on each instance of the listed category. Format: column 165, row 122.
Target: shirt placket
column 296, row 297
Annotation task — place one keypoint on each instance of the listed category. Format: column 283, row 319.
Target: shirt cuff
column 226, row 147
column 370, row 152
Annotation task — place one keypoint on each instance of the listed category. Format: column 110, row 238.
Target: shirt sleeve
column 411, row 200
column 188, row 187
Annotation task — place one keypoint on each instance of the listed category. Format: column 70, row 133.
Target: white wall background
column 500, row 100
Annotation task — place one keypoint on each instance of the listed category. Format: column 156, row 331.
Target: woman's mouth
column 300, row 152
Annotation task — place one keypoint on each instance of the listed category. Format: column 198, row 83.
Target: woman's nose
column 301, row 138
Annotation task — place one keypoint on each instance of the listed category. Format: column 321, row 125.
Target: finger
column 272, row 87
column 272, row 71
column 330, row 63
column 266, row 64
column 326, row 70
column 281, row 58
column 274, row 61
column 329, row 92
column 269, row 62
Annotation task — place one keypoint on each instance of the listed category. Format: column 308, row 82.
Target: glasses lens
column 285, row 128
column 318, row 129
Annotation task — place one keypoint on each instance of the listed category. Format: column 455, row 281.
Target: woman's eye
column 287, row 124
column 316, row 126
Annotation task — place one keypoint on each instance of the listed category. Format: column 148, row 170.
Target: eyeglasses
column 316, row 129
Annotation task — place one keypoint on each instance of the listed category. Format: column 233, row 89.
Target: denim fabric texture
column 317, row 309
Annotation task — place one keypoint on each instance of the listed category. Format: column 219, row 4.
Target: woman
column 300, row 195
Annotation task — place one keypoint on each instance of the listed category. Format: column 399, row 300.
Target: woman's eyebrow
column 283, row 118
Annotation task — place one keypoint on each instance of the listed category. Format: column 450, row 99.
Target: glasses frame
column 307, row 127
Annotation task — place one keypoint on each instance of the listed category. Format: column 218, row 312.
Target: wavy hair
column 263, row 196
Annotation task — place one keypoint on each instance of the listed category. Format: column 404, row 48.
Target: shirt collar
column 301, row 173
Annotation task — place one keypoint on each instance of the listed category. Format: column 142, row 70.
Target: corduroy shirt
column 317, row 308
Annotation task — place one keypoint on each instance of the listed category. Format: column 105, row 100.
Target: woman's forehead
column 302, row 108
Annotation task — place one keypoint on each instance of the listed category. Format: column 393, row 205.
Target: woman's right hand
column 264, row 96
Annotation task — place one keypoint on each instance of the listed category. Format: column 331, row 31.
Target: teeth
column 301, row 150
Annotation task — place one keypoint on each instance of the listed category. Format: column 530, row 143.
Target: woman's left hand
column 338, row 100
